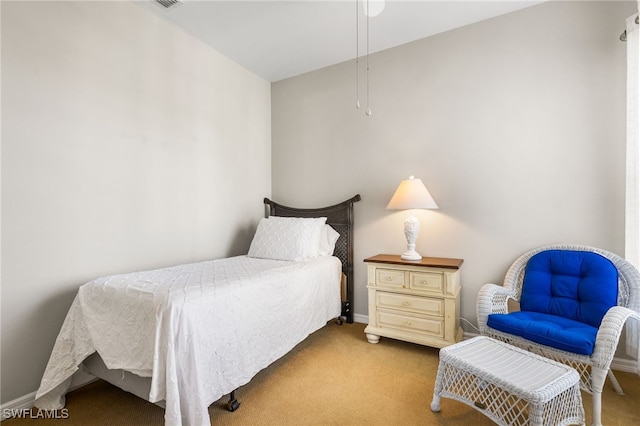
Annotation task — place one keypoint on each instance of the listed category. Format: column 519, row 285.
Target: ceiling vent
column 167, row 4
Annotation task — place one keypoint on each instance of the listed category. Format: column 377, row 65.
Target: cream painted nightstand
column 415, row 301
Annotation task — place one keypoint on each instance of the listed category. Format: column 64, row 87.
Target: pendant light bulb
column 373, row 8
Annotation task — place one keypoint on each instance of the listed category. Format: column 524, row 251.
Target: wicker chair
column 594, row 366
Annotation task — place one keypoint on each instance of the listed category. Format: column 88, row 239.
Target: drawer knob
column 407, row 323
column 424, row 282
column 407, row 303
column 389, row 278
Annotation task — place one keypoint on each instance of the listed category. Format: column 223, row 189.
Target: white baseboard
column 362, row 319
column 626, row 365
column 22, row 403
column 27, row 401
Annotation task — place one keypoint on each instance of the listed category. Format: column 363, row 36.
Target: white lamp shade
column 411, row 194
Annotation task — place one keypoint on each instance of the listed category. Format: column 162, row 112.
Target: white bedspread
column 199, row 330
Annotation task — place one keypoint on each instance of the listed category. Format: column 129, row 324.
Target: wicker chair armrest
column 609, row 335
column 492, row 299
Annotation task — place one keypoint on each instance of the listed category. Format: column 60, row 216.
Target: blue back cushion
column 578, row 285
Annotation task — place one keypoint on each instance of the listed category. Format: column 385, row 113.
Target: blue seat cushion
column 550, row 330
column 577, row 285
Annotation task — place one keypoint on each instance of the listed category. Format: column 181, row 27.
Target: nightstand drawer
column 432, row 327
column 426, row 281
column 390, row 278
column 421, row 305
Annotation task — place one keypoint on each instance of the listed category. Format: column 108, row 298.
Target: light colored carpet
column 334, row 377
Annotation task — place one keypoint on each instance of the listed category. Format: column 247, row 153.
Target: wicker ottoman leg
column 435, row 402
column 535, row 414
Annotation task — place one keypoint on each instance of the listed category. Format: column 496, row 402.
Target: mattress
column 198, row 331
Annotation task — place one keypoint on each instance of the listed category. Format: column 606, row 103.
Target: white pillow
column 328, row 239
column 287, row 238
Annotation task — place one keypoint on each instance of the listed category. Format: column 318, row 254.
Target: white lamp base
column 411, row 255
column 411, row 229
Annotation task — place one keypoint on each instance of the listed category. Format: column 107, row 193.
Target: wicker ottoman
column 509, row 385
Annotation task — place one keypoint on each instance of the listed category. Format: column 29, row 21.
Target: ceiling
column 281, row 39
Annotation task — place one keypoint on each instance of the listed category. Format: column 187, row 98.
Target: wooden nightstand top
column 436, row 262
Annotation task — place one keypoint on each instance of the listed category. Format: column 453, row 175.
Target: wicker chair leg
column 614, row 382
column 596, row 413
column 598, row 377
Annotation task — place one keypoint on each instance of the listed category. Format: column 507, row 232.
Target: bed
column 186, row 335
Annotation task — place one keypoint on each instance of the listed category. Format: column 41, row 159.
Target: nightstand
column 414, row 301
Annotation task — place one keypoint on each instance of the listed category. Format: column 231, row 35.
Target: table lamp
column 411, row 194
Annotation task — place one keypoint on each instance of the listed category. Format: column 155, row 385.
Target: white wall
column 515, row 124
column 126, row 144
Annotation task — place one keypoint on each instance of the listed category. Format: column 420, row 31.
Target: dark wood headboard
column 340, row 217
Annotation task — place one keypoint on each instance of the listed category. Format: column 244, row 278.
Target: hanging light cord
column 357, row 57
column 368, row 111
